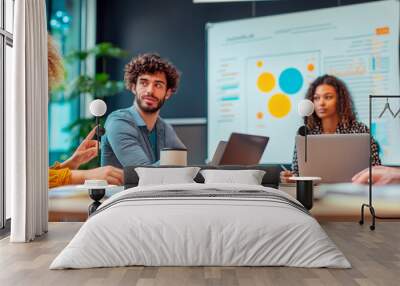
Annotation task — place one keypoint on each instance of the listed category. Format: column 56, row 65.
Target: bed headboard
column 270, row 179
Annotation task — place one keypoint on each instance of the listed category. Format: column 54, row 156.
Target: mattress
column 201, row 225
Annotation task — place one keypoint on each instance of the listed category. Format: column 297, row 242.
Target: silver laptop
column 336, row 158
column 241, row 149
column 218, row 153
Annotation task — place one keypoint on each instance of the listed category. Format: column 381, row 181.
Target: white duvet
column 187, row 231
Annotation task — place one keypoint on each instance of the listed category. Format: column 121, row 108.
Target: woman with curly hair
column 67, row 172
column 334, row 113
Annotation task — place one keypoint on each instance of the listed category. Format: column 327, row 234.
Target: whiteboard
column 259, row 68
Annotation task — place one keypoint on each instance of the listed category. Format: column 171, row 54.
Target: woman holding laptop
column 333, row 113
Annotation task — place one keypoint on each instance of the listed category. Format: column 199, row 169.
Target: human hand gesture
column 285, row 175
column 86, row 151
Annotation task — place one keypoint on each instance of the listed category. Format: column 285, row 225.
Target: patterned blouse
column 356, row 127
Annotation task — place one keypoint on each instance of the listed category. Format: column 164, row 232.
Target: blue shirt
column 127, row 140
column 153, row 142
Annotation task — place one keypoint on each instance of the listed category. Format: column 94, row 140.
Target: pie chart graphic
column 291, row 80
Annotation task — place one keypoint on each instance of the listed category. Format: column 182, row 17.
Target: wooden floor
column 374, row 255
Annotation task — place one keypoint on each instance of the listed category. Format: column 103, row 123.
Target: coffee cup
column 173, row 157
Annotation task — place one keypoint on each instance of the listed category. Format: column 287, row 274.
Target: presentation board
column 259, row 68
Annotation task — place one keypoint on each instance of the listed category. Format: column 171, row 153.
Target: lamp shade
column 98, row 107
column 305, row 107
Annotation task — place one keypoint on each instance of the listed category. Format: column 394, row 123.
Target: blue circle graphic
column 291, row 80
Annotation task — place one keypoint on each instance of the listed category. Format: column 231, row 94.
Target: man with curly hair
column 135, row 135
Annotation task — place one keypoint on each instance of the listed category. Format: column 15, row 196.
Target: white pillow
column 248, row 177
column 165, row 176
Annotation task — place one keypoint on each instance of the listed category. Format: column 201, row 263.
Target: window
column 9, row 15
column 72, row 25
column 65, row 25
column 6, row 44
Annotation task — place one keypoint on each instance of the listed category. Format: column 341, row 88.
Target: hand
column 285, row 175
column 86, row 151
column 381, row 175
column 112, row 175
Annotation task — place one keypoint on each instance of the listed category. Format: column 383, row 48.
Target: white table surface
column 76, row 190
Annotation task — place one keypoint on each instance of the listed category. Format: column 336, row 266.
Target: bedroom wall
column 176, row 30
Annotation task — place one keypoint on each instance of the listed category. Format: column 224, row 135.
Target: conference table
column 337, row 202
column 342, row 202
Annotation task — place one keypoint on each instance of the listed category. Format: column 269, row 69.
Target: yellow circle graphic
column 266, row 82
column 279, row 105
column 260, row 64
column 260, row 115
column 310, row 67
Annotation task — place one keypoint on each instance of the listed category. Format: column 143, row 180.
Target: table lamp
column 304, row 185
column 98, row 108
column 305, row 108
column 97, row 188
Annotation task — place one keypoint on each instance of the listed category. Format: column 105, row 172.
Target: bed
column 201, row 224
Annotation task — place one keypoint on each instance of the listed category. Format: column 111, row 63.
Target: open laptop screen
column 243, row 149
column 336, row 158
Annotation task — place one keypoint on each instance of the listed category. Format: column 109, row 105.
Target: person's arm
column 381, row 175
column 125, row 143
column 65, row 176
column 286, row 174
column 112, row 175
column 59, row 177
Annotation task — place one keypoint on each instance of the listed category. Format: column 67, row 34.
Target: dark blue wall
column 176, row 30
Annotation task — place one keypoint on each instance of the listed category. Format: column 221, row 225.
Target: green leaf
column 102, row 78
column 106, row 49
column 77, row 55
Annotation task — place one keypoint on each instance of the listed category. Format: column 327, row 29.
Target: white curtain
column 26, row 124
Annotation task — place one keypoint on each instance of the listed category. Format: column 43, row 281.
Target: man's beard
column 148, row 109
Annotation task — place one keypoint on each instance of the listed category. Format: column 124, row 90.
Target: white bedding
column 183, row 231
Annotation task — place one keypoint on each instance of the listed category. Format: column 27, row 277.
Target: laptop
column 240, row 149
column 218, row 153
column 336, row 158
